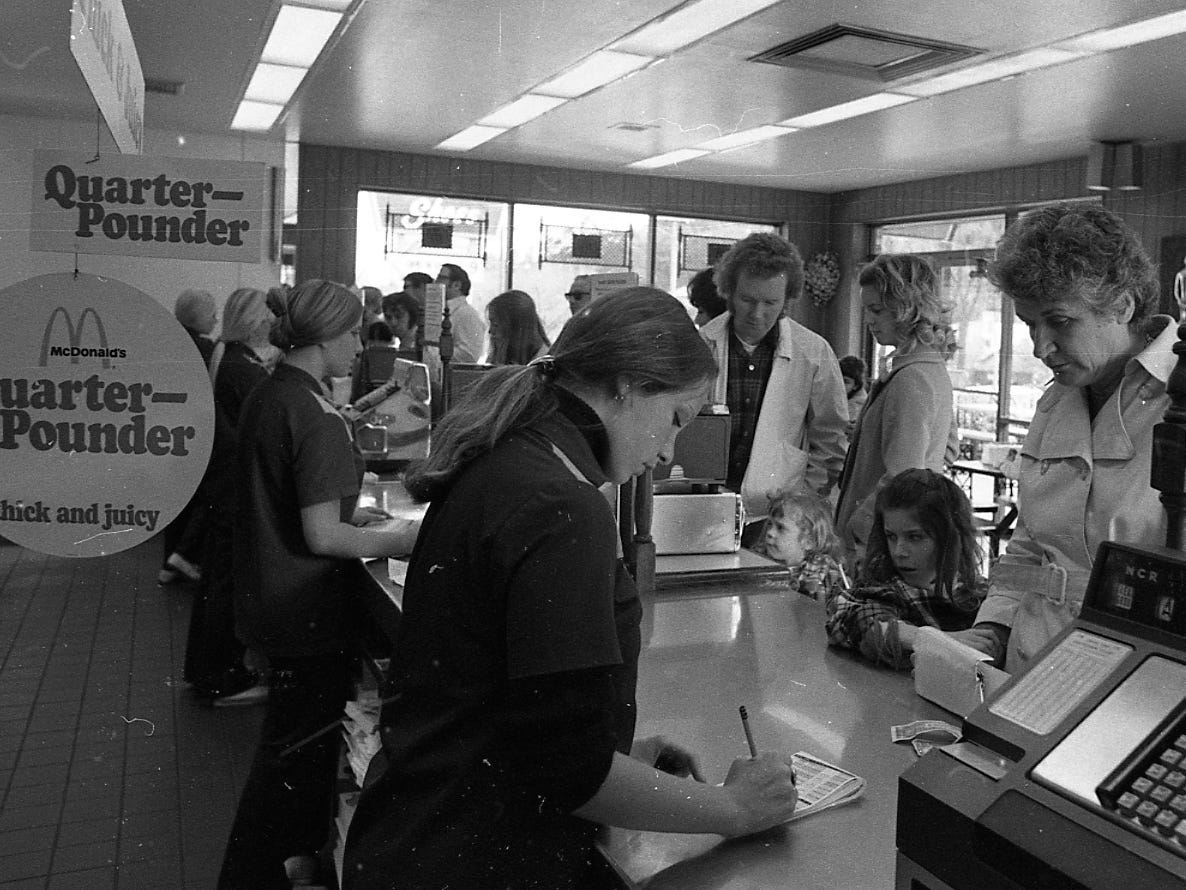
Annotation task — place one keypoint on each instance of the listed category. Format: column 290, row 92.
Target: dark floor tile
column 13, row 817
column 76, row 857
column 90, row 879
column 149, row 875
column 33, row 757
column 27, row 840
column 89, row 832
column 49, row 774
column 25, row 865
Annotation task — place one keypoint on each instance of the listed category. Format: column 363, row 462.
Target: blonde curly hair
column 909, row 288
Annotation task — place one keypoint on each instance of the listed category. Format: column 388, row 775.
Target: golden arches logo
column 73, row 334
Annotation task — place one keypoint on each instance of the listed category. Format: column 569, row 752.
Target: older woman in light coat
column 1084, row 285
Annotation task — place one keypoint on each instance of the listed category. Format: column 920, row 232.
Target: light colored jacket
column 469, row 331
column 800, row 434
column 1082, row 481
column 910, row 423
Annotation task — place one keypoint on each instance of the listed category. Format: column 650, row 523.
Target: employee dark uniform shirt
column 294, row 451
column 514, row 676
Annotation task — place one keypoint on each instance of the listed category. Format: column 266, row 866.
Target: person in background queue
column 579, row 294
column 856, row 387
column 781, row 381
column 510, row 733
column 297, row 538
column 703, row 295
column 215, row 659
column 516, row 333
column 469, row 331
column 183, row 538
column 909, row 419
column 416, row 286
column 405, row 318
column 1087, row 290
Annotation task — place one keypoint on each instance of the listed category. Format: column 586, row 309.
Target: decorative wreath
column 821, row 277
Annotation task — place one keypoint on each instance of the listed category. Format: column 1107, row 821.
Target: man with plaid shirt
column 782, row 382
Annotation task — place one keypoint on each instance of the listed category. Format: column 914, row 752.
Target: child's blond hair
column 813, row 517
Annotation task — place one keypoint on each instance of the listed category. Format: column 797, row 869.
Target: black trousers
column 286, row 806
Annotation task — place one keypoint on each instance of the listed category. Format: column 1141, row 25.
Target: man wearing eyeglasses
column 469, row 331
column 579, row 294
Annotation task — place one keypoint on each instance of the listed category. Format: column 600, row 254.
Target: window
column 399, row 233
column 553, row 245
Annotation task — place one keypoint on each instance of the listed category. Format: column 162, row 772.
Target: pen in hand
column 749, row 736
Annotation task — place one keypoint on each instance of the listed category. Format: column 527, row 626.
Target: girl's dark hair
column 944, row 512
column 638, row 335
column 516, row 333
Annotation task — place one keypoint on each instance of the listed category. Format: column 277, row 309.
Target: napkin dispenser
column 951, row 674
column 697, row 523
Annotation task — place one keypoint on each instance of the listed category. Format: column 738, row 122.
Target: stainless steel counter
column 759, row 646
column 709, row 649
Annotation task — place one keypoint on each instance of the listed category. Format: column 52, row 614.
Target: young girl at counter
column 799, row 534
column 921, row 569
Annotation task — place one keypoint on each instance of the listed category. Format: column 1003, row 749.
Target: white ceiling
column 406, row 74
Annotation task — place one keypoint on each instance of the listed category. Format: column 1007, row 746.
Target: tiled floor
column 111, row 774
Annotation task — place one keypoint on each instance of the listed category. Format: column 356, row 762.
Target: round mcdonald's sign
column 106, row 415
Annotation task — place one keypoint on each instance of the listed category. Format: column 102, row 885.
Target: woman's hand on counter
column 763, row 792
column 665, row 755
column 364, row 516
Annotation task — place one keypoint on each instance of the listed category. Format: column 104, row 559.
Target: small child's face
column 784, row 542
column 911, row 548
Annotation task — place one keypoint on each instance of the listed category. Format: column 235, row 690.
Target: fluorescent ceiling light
column 520, row 111
column 671, row 157
column 745, row 137
column 1127, row 35
column 256, row 116
column 299, row 35
column 996, row 69
column 592, row 72
column 274, row 83
column 470, row 137
column 686, row 24
column 855, row 108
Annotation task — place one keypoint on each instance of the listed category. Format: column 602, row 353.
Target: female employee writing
column 296, row 538
column 1083, row 284
column 511, row 728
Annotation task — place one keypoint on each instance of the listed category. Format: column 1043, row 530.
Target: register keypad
column 1150, row 789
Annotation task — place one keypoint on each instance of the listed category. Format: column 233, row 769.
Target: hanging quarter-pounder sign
column 106, row 415
column 137, row 205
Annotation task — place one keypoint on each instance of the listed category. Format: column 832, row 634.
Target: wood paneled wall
column 330, row 178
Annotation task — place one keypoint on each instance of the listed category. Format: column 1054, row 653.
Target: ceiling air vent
column 864, row 52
